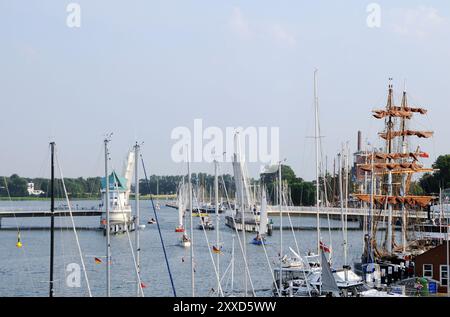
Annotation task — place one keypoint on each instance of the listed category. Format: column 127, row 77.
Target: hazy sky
column 141, row 68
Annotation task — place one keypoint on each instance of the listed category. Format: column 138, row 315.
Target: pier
column 47, row 213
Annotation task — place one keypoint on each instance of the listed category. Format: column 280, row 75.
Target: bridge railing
column 307, row 210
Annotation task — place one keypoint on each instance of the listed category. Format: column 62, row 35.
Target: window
column 428, row 270
column 443, row 276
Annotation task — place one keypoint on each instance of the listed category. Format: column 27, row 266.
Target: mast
column 390, row 126
column 137, row 220
column 316, row 136
column 341, row 198
column 191, row 230
column 216, row 203
column 281, row 225
column 403, row 187
column 108, row 238
column 52, row 217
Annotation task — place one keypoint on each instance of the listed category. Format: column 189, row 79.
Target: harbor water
column 25, row 271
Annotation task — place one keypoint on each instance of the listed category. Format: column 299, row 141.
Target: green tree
column 431, row 183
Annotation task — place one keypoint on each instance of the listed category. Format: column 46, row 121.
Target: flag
column 97, row 260
column 424, row 155
column 143, row 285
column 324, row 248
column 216, row 249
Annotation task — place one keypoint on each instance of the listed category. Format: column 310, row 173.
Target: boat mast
column 108, row 238
column 281, row 225
column 137, row 220
column 390, row 126
column 341, row 198
column 191, row 228
column 316, row 136
column 403, row 190
column 52, row 217
column 216, row 203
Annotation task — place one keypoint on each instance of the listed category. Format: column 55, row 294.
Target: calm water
column 24, row 272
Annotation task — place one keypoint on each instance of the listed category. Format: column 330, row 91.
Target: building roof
column 115, row 182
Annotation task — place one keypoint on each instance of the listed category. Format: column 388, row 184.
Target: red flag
column 97, row 260
column 324, row 248
column 143, row 285
column 424, row 155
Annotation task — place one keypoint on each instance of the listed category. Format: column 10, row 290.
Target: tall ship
column 388, row 196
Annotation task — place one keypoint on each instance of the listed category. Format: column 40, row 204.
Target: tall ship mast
column 391, row 170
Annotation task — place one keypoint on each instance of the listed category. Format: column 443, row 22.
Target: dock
column 47, row 213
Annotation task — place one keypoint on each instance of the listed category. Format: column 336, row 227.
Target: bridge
column 351, row 212
column 47, row 213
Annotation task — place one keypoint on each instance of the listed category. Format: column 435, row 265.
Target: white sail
column 128, row 173
column 241, row 178
column 180, row 205
column 263, row 216
column 329, row 284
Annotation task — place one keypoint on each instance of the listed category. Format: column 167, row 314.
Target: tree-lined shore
column 302, row 192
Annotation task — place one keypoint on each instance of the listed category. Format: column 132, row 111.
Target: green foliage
column 302, row 193
column 430, row 183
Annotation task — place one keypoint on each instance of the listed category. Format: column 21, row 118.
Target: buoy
column 18, row 244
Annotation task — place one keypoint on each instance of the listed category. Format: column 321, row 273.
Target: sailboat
column 263, row 223
column 181, row 207
column 246, row 215
column 395, row 166
column 185, row 241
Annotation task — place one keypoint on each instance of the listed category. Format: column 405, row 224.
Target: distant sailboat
column 263, row 223
column 181, row 209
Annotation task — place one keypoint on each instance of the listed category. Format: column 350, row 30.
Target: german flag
column 216, row 249
column 97, row 260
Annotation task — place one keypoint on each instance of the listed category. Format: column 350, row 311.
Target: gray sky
column 141, row 68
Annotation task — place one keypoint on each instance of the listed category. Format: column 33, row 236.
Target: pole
column 191, row 230
column 317, row 159
column 52, row 217
column 281, row 226
column 341, row 198
column 216, row 202
column 137, row 219
column 108, row 238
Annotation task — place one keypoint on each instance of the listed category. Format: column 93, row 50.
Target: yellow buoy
column 18, row 244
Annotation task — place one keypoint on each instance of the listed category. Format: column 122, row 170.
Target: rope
column 73, row 226
column 239, row 240
column 116, row 188
column 208, row 245
column 159, row 228
column 23, row 252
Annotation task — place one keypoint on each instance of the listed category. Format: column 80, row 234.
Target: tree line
column 301, row 192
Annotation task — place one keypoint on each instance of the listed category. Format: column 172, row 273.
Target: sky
column 140, row 69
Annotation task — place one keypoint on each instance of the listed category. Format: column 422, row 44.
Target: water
column 25, row 271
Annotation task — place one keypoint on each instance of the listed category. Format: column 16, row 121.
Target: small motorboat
column 185, row 241
column 258, row 240
column 206, row 224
